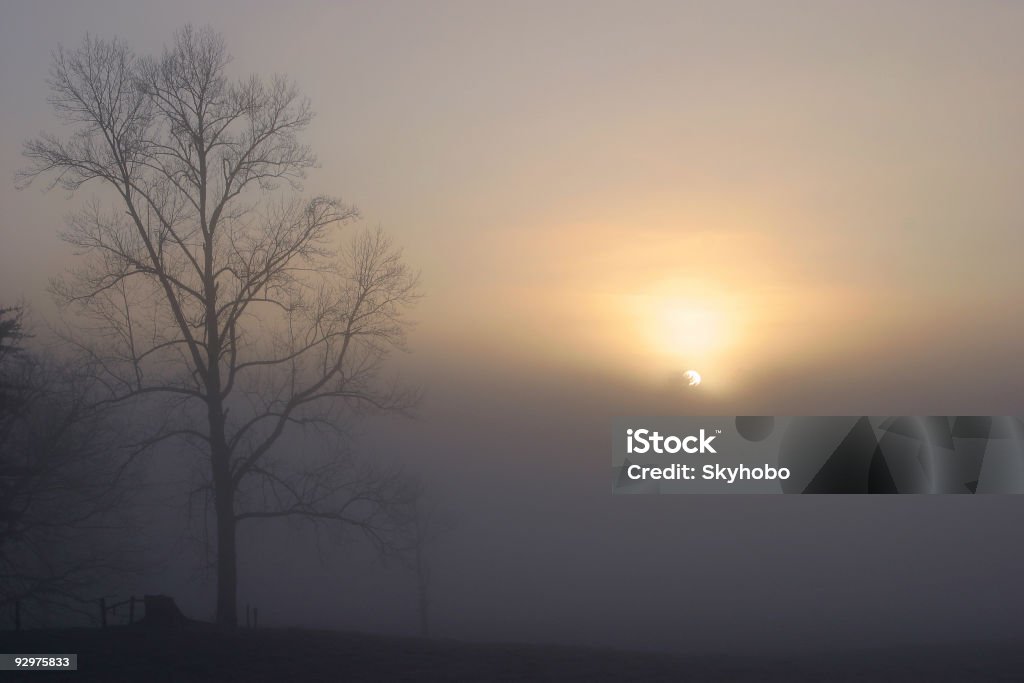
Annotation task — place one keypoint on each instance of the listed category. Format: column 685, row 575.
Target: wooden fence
column 134, row 606
column 112, row 609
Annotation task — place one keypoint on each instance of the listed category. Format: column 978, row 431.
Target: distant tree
column 62, row 522
column 424, row 524
column 10, row 331
column 13, row 390
column 214, row 288
column 11, row 335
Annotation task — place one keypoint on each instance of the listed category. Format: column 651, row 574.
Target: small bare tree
column 62, row 521
column 423, row 524
column 213, row 287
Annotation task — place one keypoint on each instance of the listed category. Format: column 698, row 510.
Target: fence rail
column 112, row 609
column 108, row 609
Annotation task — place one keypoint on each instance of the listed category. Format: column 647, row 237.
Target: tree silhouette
column 214, row 289
column 62, row 519
column 425, row 523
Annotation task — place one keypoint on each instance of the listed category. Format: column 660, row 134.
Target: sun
column 687, row 329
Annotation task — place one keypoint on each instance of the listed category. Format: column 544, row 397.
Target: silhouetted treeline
column 64, row 533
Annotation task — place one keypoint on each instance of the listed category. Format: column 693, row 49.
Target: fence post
column 17, row 615
column 103, row 612
column 131, row 610
column 255, row 617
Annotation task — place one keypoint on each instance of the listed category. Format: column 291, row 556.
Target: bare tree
column 62, row 524
column 10, row 331
column 213, row 286
column 424, row 523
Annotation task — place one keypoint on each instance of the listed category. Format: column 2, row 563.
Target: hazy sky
column 749, row 189
column 817, row 205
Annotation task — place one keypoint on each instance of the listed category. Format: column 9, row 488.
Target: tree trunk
column 227, row 559
column 224, row 506
column 424, row 616
column 422, row 586
column 220, row 454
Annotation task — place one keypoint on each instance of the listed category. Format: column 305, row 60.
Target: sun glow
column 690, row 330
column 690, row 327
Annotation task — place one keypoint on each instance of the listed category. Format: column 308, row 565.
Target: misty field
column 211, row 654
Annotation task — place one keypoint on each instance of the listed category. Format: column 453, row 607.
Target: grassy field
column 207, row 654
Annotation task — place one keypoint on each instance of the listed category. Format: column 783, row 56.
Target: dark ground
column 207, row 654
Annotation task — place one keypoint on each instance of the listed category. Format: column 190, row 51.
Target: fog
column 836, row 184
column 543, row 552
